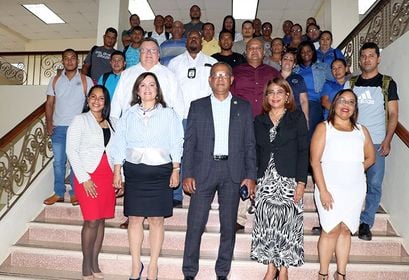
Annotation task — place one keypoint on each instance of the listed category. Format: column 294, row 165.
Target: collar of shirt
column 216, row 101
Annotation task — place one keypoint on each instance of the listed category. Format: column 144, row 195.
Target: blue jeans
column 374, row 178
column 58, row 141
column 178, row 192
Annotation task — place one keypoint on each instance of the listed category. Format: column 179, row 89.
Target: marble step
column 174, row 240
column 170, row 267
column 67, row 212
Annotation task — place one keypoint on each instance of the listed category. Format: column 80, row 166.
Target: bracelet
column 176, row 168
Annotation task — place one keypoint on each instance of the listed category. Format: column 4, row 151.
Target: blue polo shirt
column 132, row 56
column 330, row 89
column 297, row 84
column 110, row 83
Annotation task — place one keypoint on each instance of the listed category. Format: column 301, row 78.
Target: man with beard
column 168, row 23
column 247, row 31
column 195, row 23
column 192, row 71
column 226, row 54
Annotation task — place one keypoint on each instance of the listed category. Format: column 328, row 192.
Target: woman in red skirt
column 87, row 142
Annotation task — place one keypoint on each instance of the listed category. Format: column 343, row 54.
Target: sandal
column 322, row 276
column 339, row 274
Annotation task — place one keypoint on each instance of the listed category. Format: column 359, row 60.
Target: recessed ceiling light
column 142, row 9
column 244, row 9
column 44, row 13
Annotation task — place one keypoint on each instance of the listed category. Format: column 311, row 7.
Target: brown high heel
column 322, row 276
column 336, row 273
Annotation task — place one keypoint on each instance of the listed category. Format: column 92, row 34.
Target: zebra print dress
column 278, row 225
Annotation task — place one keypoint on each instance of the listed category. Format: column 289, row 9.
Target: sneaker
column 364, row 232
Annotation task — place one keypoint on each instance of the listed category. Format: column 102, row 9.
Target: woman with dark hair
column 148, row 144
column 315, row 74
column 325, row 53
column 341, row 151
column 296, row 82
column 229, row 25
column 276, row 52
column 331, row 88
column 88, row 141
column 296, row 38
column 282, row 163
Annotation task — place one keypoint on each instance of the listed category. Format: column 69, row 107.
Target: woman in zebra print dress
column 282, row 161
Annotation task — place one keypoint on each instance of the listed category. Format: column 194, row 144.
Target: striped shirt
column 160, row 128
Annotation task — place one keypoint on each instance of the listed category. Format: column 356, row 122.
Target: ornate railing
column 24, row 152
column 32, row 68
column 383, row 24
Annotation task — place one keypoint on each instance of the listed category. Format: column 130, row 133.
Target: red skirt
column 103, row 206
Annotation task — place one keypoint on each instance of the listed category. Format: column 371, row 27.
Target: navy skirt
column 147, row 191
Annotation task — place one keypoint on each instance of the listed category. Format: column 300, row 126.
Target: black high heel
column 323, row 276
column 140, row 273
column 340, row 274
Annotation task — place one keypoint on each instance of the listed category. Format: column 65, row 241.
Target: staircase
column 50, row 248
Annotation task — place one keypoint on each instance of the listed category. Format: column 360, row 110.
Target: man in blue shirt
column 110, row 79
column 131, row 52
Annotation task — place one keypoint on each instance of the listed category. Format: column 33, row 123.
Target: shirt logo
column 366, row 98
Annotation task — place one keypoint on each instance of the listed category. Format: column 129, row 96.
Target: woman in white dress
column 341, row 151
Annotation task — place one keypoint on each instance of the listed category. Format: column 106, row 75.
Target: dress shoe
column 53, row 199
column 177, row 204
column 189, row 278
column 221, row 278
column 364, row 232
column 74, row 200
column 125, row 224
column 239, row 227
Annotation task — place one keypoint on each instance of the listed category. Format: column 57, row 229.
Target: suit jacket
column 290, row 146
column 85, row 145
column 199, row 141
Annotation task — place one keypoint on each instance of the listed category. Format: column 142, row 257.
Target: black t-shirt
column 377, row 82
column 233, row 60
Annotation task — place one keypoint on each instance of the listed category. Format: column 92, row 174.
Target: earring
column 157, row 97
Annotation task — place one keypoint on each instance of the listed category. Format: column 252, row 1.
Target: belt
column 220, row 157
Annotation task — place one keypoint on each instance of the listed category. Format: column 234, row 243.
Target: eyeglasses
column 267, row 28
column 343, row 101
column 220, row 76
column 151, row 51
column 277, row 93
column 296, row 30
column 312, row 29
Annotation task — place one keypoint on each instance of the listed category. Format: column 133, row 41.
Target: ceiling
column 18, row 26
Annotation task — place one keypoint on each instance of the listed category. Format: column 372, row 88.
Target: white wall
column 395, row 195
column 14, row 224
column 60, row 45
column 17, row 102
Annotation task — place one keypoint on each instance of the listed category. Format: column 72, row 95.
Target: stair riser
column 66, row 212
column 171, row 268
column 175, row 241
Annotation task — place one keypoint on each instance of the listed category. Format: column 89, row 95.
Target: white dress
column 344, row 174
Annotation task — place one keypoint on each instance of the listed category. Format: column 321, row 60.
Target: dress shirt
column 160, row 129
column 69, row 97
column 160, row 38
column 221, row 121
column 211, row 47
column 85, row 145
column 249, row 83
column 123, row 92
column 195, row 87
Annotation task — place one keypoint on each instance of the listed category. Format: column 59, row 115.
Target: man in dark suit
column 219, row 155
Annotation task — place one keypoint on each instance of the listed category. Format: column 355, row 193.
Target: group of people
column 207, row 123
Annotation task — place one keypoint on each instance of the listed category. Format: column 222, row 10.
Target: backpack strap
column 56, row 77
column 385, row 91
column 150, row 34
column 105, row 77
column 352, row 81
column 167, row 35
column 84, row 83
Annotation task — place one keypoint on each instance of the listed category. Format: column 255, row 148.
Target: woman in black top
column 282, row 162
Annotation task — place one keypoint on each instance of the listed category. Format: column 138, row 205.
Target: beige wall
column 17, row 102
column 395, row 195
column 60, row 45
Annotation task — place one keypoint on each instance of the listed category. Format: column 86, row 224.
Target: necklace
column 276, row 118
column 147, row 110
